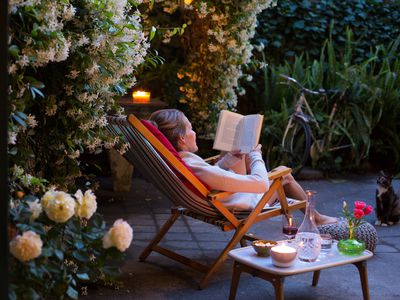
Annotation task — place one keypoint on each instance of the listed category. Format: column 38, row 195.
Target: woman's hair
column 171, row 122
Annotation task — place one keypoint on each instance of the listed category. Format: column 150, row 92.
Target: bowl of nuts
column 263, row 247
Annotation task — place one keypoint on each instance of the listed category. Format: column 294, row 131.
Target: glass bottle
column 307, row 238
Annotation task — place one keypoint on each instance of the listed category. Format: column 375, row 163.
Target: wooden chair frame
column 231, row 220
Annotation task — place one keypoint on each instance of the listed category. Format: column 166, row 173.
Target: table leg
column 278, row 286
column 235, row 280
column 362, row 269
column 315, row 278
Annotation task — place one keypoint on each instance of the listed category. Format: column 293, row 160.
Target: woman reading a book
column 230, row 172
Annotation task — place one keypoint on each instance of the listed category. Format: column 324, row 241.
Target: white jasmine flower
column 31, row 121
column 23, row 61
column 68, row 12
column 51, row 110
column 75, row 154
column 12, row 137
column 12, row 69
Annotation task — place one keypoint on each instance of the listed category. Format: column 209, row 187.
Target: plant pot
column 351, row 247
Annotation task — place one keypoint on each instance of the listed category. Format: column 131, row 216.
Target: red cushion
column 161, row 137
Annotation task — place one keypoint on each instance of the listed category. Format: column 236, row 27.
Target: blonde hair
column 171, row 122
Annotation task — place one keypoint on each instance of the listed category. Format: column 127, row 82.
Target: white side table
column 246, row 260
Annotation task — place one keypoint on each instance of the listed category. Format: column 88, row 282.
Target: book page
column 250, row 132
column 227, row 131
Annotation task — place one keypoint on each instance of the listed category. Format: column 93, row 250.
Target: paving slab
column 146, row 209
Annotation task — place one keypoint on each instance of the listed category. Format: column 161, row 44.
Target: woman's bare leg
column 294, row 190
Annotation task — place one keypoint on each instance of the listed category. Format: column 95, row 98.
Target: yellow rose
column 59, row 206
column 120, row 236
column 26, row 247
column 49, row 195
column 86, row 204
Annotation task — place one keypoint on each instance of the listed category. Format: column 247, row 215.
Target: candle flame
column 290, row 221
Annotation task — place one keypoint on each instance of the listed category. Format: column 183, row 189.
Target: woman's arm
column 220, row 179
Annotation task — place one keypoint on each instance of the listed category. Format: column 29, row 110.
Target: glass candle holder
column 141, row 96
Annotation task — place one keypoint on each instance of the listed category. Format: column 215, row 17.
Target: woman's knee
column 288, row 179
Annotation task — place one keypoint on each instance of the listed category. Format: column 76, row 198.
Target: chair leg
column 164, row 229
column 237, row 237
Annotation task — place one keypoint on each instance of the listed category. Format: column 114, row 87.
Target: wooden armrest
column 217, row 195
column 213, row 159
column 274, row 174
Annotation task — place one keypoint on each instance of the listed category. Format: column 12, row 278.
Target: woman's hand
column 257, row 148
column 230, row 159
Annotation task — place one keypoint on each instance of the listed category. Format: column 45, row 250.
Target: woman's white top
column 248, row 188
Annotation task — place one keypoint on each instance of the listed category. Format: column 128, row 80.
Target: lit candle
column 141, row 96
column 283, row 256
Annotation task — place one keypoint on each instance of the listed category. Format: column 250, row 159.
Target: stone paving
column 161, row 278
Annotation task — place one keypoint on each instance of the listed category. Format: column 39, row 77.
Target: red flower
column 358, row 213
column 368, row 210
column 359, row 204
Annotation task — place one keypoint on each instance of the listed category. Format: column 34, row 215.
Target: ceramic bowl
column 283, row 256
column 263, row 247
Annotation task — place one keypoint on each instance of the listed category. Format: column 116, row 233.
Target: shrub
column 296, row 27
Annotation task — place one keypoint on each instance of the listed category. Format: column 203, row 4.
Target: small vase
column 308, row 239
column 351, row 247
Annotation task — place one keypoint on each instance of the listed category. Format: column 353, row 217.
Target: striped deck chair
column 159, row 166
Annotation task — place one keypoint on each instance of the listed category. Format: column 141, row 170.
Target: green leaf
column 152, row 32
column 19, row 120
column 83, row 276
column 46, row 252
column 79, row 245
column 30, row 294
column 81, row 255
column 13, row 50
column 59, row 254
column 72, row 293
column 111, row 271
column 35, row 91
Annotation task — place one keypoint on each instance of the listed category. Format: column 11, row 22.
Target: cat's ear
column 383, row 173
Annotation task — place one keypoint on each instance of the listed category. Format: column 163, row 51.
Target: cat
column 387, row 201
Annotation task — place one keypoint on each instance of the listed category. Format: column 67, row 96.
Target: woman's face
column 188, row 141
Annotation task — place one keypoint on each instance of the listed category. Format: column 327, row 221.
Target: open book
column 236, row 132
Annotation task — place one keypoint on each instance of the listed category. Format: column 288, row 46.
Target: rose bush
column 58, row 254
